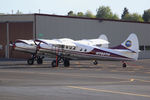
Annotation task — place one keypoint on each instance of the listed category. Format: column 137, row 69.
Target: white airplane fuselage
column 85, row 52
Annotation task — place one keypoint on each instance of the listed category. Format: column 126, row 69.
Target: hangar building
column 31, row 26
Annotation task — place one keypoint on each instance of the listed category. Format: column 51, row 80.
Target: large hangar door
column 3, row 39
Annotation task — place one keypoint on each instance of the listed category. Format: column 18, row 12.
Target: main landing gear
column 65, row 61
column 95, row 62
column 37, row 58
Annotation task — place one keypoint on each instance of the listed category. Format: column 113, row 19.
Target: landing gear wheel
column 54, row 63
column 40, row 61
column 95, row 62
column 30, row 61
column 66, row 63
column 124, row 65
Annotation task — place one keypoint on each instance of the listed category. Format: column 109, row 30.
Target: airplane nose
column 12, row 45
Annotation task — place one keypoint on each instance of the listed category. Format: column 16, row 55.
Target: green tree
column 133, row 17
column 80, row 14
column 89, row 14
column 146, row 15
column 71, row 13
column 105, row 13
column 125, row 12
column 115, row 16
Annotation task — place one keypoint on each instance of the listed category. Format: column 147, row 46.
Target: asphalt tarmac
column 81, row 81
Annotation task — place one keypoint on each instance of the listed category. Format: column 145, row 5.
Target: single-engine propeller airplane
column 31, row 46
column 67, row 49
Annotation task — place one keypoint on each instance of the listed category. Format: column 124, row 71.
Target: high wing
column 57, row 42
column 102, row 41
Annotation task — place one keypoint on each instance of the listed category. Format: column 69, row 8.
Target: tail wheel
column 66, row 63
column 30, row 61
column 40, row 61
column 54, row 63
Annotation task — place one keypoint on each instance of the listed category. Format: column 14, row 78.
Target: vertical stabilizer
column 130, row 47
column 131, row 43
column 105, row 39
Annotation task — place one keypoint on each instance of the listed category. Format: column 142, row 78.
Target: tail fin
column 104, row 37
column 131, row 43
column 130, row 47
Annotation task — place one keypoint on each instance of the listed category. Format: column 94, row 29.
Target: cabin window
column 70, row 47
column 81, row 49
column 74, row 48
column 66, row 47
column 85, row 50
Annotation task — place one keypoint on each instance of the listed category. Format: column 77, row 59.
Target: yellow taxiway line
column 109, row 91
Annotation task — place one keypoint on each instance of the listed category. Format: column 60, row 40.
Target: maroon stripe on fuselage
column 92, row 53
column 119, row 47
column 122, row 47
column 95, row 50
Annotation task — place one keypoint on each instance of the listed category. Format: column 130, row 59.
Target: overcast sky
column 62, row 7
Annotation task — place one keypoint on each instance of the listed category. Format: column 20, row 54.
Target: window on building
column 141, row 47
column 147, row 47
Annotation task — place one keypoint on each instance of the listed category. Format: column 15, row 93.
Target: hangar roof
column 30, row 17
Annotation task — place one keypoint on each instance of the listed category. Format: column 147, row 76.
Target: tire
column 39, row 61
column 124, row 65
column 66, row 63
column 54, row 63
column 95, row 62
column 30, row 61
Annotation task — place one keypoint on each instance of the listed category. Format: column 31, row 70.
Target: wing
column 58, row 42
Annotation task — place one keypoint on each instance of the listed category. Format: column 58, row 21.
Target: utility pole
column 39, row 11
column 12, row 11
